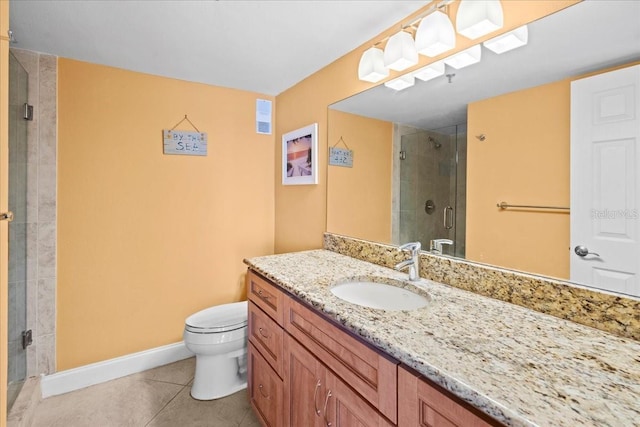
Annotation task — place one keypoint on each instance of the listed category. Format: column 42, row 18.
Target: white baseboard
column 96, row 373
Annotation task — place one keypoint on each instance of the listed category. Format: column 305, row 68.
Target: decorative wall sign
column 183, row 141
column 340, row 156
column 300, row 156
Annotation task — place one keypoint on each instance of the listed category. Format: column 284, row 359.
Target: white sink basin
column 379, row 296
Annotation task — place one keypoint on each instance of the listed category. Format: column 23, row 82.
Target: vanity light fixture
column 371, row 67
column 476, row 18
column 400, row 52
column 401, row 82
column 508, row 41
column 435, row 34
column 429, row 72
column 465, row 58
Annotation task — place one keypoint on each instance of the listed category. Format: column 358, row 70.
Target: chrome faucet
column 414, row 262
column 435, row 246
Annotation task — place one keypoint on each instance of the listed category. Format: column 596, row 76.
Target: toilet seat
column 219, row 319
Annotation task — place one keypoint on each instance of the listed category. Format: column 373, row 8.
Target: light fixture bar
column 413, row 24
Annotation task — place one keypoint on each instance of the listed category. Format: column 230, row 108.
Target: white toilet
column 218, row 337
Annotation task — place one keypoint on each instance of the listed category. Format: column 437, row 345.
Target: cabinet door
column 343, row 407
column 265, row 389
column 368, row 371
column 422, row 404
column 303, row 386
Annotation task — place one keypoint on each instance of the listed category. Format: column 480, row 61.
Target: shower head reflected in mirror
column 436, row 144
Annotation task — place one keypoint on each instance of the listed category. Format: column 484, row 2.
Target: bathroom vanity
column 463, row 360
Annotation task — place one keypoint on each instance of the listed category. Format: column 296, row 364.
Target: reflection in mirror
column 433, row 161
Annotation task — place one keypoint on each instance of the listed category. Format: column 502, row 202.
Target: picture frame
column 300, row 156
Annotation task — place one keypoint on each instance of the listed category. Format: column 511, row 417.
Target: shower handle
column 447, row 220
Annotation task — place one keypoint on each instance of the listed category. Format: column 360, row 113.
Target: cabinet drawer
column 369, row 372
column 425, row 405
column 265, row 390
column 267, row 336
column 266, row 296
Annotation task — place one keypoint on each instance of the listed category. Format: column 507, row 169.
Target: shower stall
column 432, row 202
column 18, row 335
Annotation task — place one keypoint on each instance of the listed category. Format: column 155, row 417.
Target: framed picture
column 300, row 156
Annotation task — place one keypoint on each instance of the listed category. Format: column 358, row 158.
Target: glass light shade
column 508, row 41
column 475, row 18
column 429, row 72
column 465, row 58
column 401, row 82
column 400, row 52
column 371, row 67
column 435, row 35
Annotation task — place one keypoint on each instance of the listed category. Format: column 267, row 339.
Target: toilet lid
column 220, row 318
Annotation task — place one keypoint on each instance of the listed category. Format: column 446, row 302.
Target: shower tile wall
column 429, row 172
column 41, row 209
column 423, row 163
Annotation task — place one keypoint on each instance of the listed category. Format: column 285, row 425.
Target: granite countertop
column 521, row 367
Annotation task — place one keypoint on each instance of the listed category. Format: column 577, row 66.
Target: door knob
column 583, row 251
column 6, row 216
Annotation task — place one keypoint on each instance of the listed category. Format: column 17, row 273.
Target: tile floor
column 155, row 398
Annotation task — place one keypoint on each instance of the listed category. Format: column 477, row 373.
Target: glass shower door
column 17, row 322
column 429, row 189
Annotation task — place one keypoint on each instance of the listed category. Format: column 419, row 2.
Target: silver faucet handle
column 411, row 246
column 443, row 241
column 435, row 245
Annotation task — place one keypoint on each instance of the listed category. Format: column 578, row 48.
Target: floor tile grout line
column 167, row 404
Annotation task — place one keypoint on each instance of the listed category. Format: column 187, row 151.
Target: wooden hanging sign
column 185, row 142
column 340, row 156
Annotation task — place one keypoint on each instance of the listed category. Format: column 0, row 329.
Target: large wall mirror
column 434, row 161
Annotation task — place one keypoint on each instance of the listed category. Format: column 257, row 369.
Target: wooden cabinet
column 266, row 335
column 266, row 296
column 315, row 397
column 369, row 372
column 265, row 389
column 306, row 371
column 424, row 404
column 304, row 386
column 343, row 407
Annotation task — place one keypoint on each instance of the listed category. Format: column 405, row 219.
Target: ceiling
column 589, row 36
column 261, row 46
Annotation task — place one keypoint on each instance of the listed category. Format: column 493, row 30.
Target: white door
column 605, row 181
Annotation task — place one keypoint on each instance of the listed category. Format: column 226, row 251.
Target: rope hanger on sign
column 187, row 119
column 339, row 141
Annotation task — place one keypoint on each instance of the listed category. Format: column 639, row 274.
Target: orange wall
column 524, row 160
column 306, row 102
column 363, row 207
column 4, row 205
column 146, row 239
